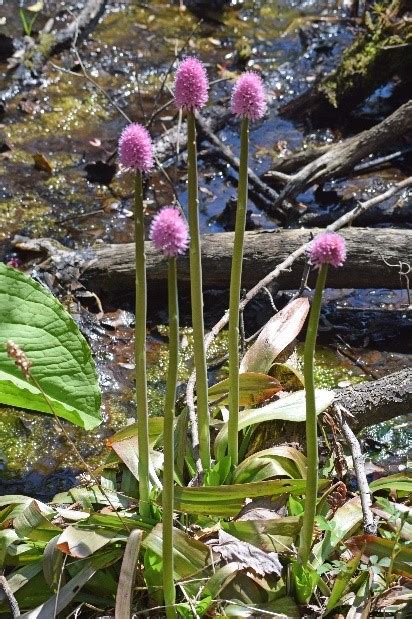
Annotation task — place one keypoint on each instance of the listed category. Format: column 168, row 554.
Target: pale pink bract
column 169, row 232
column 249, row 97
column 191, row 85
column 135, row 148
column 327, row 248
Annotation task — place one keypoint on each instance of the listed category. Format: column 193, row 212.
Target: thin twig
column 11, row 600
column 369, row 524
column 194, row 428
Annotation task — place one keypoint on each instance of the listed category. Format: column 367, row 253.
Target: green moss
column 369, row 61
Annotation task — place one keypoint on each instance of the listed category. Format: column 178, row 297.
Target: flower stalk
column 168, row 441
column 140, row 351
column 306, row 534
column 235, row 287
column 197, row 296
column 248, row 103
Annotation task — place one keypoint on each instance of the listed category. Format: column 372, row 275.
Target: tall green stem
column 306, row 534
column 197, row 296
column 168, row 442
column 140, row 351
column 235, row 284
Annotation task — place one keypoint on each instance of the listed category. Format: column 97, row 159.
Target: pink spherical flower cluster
column 249, row 97
column 169, row 232
column 135, row 148
column 191, row 85
column 327, row 248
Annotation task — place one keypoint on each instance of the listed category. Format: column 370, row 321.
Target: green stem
column 235, row 284
column 306, row 534
column 197, row 296
column 168, row 442
column 140, row 352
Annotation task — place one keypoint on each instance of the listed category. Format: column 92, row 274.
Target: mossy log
column 376, row 56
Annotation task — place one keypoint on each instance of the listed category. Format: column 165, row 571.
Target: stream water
column 59, row 180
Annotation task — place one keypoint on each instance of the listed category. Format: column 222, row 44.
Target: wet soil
column 59, row 178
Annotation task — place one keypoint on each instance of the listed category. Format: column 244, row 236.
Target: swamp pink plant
column 136, row 153
column 248, row 102
column 326, row 249
column 169, row 234
column 191, row 93
column 135, row 148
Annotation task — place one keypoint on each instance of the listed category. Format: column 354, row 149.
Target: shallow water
column 72, row 125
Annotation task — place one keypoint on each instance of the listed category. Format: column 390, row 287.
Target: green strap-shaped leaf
column 61, row 358
column 228, row 500
column 289, row 408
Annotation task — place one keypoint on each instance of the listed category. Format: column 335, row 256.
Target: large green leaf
column 81, row 543
column 228, row 500
column 34, row 522
column 289, row 408
column 399, row 481
column 344, row 522
column 61, row 359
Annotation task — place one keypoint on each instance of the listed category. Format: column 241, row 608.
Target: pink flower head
column 191, row 85
column 327, row 248
column 169, row 232
column 135, row 148
column 249, row 97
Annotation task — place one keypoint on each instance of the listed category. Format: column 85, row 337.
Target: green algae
column 26, row 211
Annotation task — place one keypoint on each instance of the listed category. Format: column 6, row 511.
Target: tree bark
column 378, row 400
column 112, row 270
column 368, row 403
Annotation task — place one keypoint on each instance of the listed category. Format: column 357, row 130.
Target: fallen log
column 341, row 158
column 109, row 269
column 372, row 402
column 368, row 403
column 114, row 267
